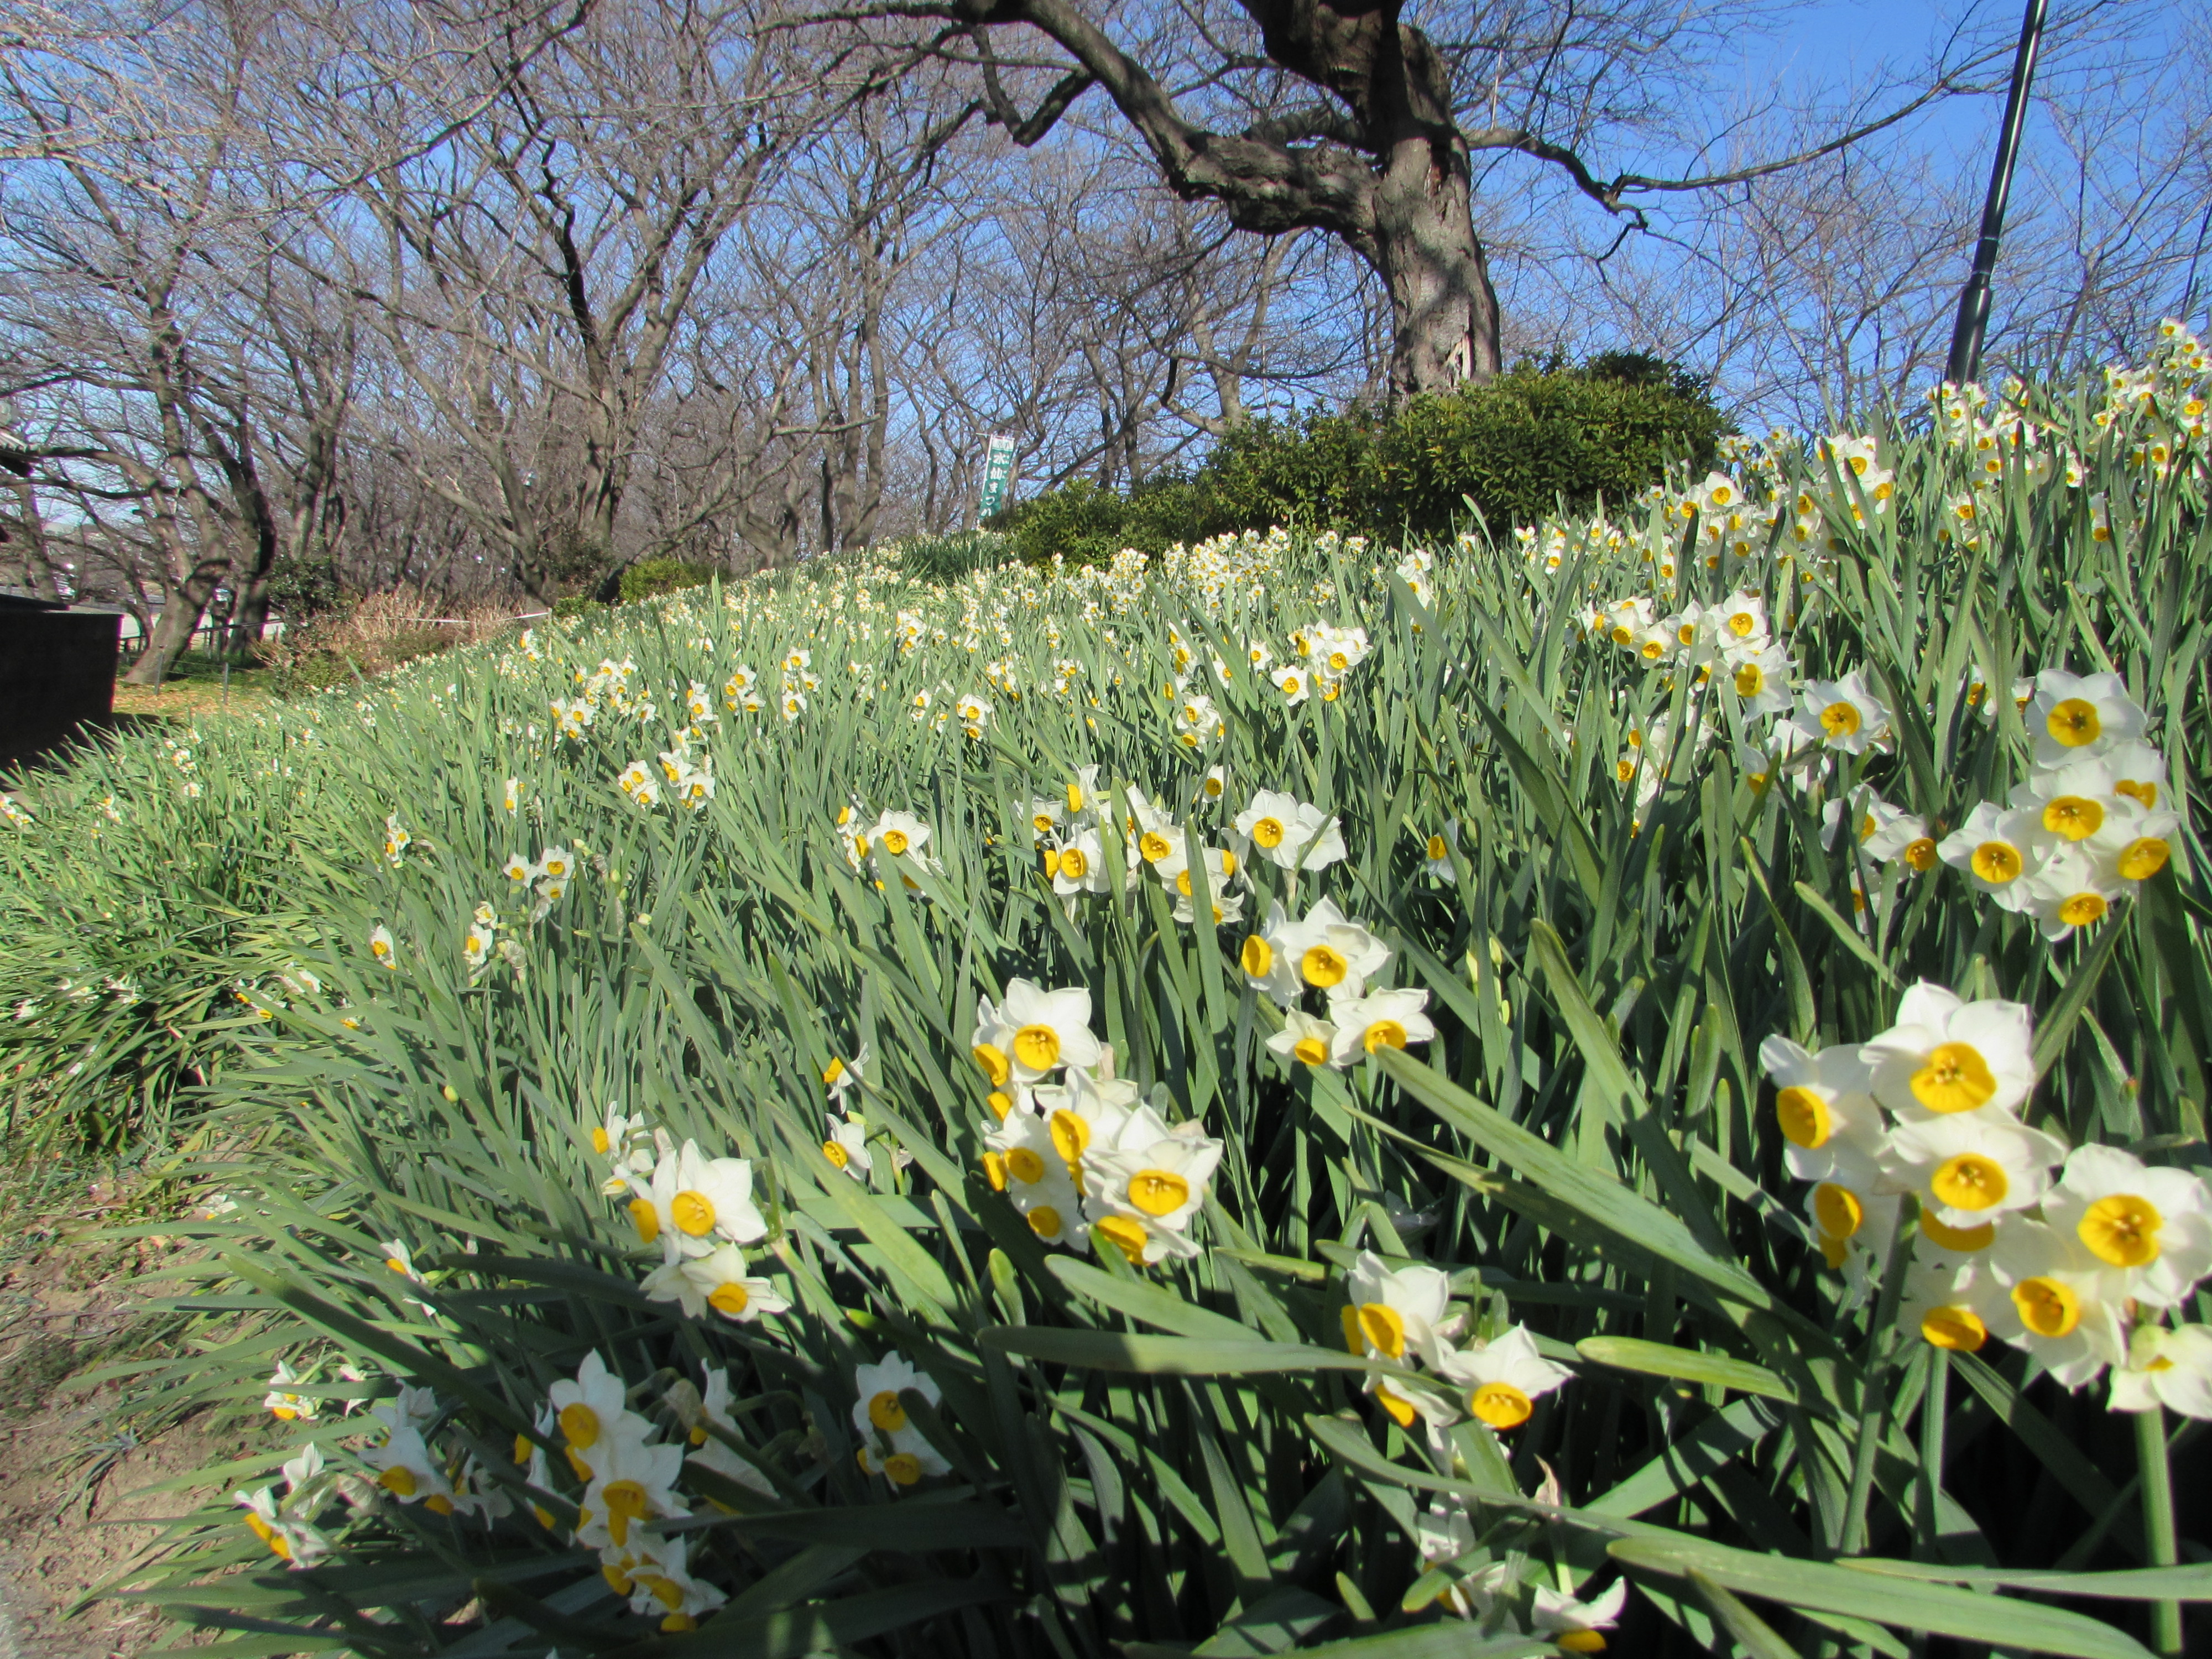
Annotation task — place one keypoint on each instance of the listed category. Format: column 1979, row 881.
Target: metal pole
column 1966, row 362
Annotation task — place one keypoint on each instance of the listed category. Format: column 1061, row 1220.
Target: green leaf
column 1758, row 1638
column 1172, row 1356
column 1937, row 1608
column 1630, row 1353
column 2191, row 1582
column 1139, row 1298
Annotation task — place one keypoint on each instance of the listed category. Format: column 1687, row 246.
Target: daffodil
column 1846, row 715
column 283, row 1401
column 711, row 1425
column 291, row 1540
column 405, row 1469
column 1289, row 833
column 1366, row 1025
column 1501, row 1378
column 880, row 1417
column 1946, row 1055
column 1078, row 863
column 593, row 1408
column 2068, row 889
column 1150, row 1171
column 717, row 1280
column 2059, row 1304
column 2074, row 715
column 632, row 1478
column 1575, row 1625
column 380, row 947
column 654, row 1573
column 1034, row 1032
column 2150, row 1228
column 1269, row 958
column 2168, row 1368
column 1391, row 1312
column 1831, row 1128
column 518, row 869
column 1311, row 1042
column 1996, row 847
column 1971, row 1167
column 698, row 1201
column 846, row 1146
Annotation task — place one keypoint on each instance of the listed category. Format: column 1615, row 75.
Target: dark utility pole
column 1965, row 362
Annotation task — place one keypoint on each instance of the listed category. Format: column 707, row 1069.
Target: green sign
column 998, row 475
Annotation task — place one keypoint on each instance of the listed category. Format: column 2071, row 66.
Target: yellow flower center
column 1920, row 853
column 1268, row 832
column 600, row 1144
column 1956, row 1078
column 1384, row 1034
column 729, row 1298
column 1581, row 1641
column 1073, row 863
column 1742, row 624
column 1958, row 1329
column 1970, row 1181
column 2146, row 793
column 1042, row 822
column 2144, row 857
column 1044, row 1221
column 693, row 1213
column 1071, row 1133
column 895, row 842
column 1623, row 770
column 993, row 1061
column 1964, row 1240
column 2074, row 817
column 836, row 1153
column 1402, row 1411
column 1839, row 720
column 2122, row 1230
column 1837, row 1209
column 1311, row 1049
column 1383, row 1328
column 398, row 1480
column 1500, row 1405
column 1154, row 847
column 1024, row 1163
column 1159, row 1192
column 1438, row 851
column 1804, row 1116
column 2081, row 910
column 1997, row 862
column 1750, row 680
column 2047, row 1307
column 994, row 1169
column 2073, row 722
column 1125, row 1235
column 1182, row 883
column 1323, row 965
column 646, row 1220
column 903, row 1468
column 885, row 1411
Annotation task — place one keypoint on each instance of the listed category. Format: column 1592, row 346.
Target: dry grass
column 381, row 632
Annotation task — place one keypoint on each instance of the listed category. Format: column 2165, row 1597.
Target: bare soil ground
column 75, row 1516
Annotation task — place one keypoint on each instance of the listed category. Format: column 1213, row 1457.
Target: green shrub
column 947, row 558
column 650, row 578
column 1515, row 447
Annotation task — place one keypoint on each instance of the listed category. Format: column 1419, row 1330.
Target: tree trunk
column 37, row 570
column 1444, row 310
column 184, row 603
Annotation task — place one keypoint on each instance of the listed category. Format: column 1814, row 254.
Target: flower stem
column 2158, row 1522
column 1874, row 1403
column 1935, row 1404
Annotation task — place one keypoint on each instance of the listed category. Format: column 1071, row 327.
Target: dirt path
column 74, row 1512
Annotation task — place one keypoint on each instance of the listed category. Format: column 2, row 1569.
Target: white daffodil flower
column 1995, row 846
column 716, row 1280
column 1573, row 1625
column 2151, row 1228
column 2071, row 715
column 406, row 1470
column 897, row 834
column 1150, row 1170
column 1380, row 1019
column 2172, row 1368
column 881, row 1418
column 697, row 1201
column 1034, row 1032
column 381, row 946
column 1503, row 1377
column 1826, row 1110
column 1311, row 1042
column 1391, row 1310
column 846, row 1145
column 593, row 1408
column 1945, row 1055
column 661, row 1584
column 1269, row 958
column 1846, row 715
column 1289, row 833
column 1972, row 1167
column 632, row 1479
column 2068, row 889
column 1078, row 863
column 282, row 1401
column 2058, row 1305
column 1951, row 1298
column 1334, row 953
column 294, row 1542
column 1758, row 681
